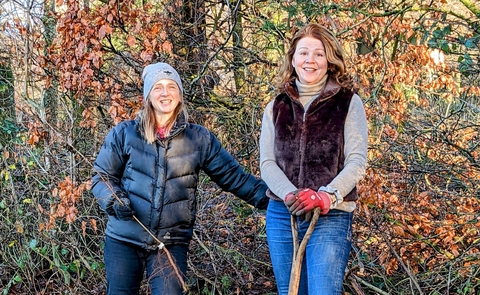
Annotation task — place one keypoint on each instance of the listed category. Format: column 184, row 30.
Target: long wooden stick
column 293, row 223
column 299, row 253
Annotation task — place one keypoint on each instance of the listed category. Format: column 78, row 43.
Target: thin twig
column 214, row 285
column 399, row 259
column 370, row 286
column 161, row 246
column 195, row 237
column 357, row 287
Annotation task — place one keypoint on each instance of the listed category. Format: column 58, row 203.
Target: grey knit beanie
column 156, row 72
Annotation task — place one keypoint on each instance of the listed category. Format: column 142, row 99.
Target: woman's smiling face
column 165, row 96
column 310, row 60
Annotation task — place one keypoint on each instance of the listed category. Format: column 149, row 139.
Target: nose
column 309, row 58
column 163, row 91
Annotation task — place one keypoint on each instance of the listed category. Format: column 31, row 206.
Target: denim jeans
column 126, row 263
column 326, row 254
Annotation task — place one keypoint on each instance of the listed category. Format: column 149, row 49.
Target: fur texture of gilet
column 309, row 146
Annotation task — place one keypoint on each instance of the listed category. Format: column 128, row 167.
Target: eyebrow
column 322, row 49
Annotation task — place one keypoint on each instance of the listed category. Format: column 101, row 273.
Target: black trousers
column 126, row 264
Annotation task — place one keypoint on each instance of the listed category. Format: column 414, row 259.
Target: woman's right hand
column 290, row 200
column 120, row 207
column 123, row 209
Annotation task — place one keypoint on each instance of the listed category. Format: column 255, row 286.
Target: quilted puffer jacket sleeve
column 108, row 169
column 224, row 170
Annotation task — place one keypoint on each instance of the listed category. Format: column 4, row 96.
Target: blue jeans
column 126, row 263
column 326, row 254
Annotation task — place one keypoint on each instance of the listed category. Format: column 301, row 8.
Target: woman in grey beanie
column 145, row 178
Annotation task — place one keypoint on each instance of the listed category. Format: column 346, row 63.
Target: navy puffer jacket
column 161, row 180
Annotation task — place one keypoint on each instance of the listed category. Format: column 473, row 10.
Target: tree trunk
column 50, row 96
column 238, row 63
column 8, row 127
column 191, row 44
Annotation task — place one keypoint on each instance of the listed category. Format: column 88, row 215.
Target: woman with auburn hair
column 313, row 152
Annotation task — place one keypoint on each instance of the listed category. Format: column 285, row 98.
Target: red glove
column 307, row 200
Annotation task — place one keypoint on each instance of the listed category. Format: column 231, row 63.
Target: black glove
column 120, row 209
column 123, row 209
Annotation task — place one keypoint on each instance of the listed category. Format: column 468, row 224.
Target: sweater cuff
column 334, row 192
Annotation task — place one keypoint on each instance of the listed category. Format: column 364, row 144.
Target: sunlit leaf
column 101, row 32
column 131, row 40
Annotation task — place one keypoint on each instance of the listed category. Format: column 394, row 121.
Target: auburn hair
column 334, row 52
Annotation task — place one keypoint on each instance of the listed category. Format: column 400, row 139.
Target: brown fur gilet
column 309, row 147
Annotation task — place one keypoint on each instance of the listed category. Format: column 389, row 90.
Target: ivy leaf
column 470, row 43
column 33, row 244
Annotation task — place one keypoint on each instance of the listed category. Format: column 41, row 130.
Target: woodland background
column 70, row 70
